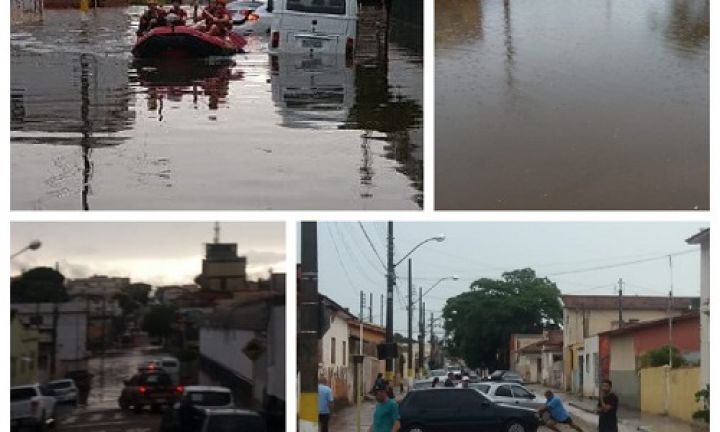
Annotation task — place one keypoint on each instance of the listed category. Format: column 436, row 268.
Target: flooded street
column 93, row 129
column 572, row 104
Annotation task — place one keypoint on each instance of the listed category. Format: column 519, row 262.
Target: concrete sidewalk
column 628, row 420
column 345, row 419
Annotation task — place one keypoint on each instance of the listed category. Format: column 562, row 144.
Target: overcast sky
column 157, row 253
column 347, row 263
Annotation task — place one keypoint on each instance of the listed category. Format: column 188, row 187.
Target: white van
column 314, row 26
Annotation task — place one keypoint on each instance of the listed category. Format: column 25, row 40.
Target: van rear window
column 334, row 7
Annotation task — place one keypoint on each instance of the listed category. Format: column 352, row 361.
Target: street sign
column 254, row 349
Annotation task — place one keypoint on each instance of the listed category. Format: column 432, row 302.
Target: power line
column 622, row 264
column 372, row 245
column 342, row 263
column 352, row 251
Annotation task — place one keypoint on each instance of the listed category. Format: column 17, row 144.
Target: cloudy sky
column 153, row 252
column 564, row 252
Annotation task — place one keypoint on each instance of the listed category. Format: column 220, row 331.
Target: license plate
column 312, row 43
column 310, row 63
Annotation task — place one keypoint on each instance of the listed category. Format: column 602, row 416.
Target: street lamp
column 33, row 245
column 422, row 316
column 391, row 265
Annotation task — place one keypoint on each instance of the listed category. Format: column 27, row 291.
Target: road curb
column 640, row 428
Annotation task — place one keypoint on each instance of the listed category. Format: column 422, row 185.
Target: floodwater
column 93, row 129
column 572, row 104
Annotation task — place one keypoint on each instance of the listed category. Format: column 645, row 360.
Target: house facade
column 334, row 350
column 24, row 342
column 587, row 316
column 703, row 240
column 527, row 363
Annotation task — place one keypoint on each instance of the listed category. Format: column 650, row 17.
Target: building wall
column 597, row 321
column 591, row 372
column 276, row 358
column 518, row 341
column 337, row 371
column 623, row 373
column 705, row 314
column 224, row 346
column 666, row 391
column 23, row 354
column 685, row 337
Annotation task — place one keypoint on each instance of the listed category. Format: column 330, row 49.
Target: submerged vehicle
column 182, row 42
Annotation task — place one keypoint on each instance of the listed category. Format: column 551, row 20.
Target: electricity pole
column 389, row 306
column 382, row 315
column 370, row 314
column 410, row 308
column 308, row 329
column 620, row 301
column 421, row 338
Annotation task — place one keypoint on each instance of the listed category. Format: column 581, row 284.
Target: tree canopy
column 479, row 322
column 38, row 285
column 133, row 297
column 158, row 321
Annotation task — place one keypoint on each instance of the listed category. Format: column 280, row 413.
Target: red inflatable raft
column 182, row 41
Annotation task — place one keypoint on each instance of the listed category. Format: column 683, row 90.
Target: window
column 521, row 393
column 332, row 350
column 333, row 7
column 503, row 391
column 344, row 349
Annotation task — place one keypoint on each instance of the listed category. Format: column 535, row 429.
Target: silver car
column 509, row 393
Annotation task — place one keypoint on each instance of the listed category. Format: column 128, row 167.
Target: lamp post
column 391, row 265
column 421, row 341
column 33, row 245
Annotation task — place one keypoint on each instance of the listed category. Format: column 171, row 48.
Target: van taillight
column 349, row 51
column 142, row 390
column 275, row 40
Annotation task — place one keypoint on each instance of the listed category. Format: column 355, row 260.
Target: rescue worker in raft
column 176, row 15
column 215, row 19
column 153, row 16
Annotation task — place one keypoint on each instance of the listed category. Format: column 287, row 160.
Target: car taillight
column 142, row 390
column 275, row 40
column 179, row 389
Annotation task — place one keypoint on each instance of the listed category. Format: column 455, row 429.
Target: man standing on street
column 607, row 408
column 325, row 401
column 465, row 382
column 387, row 413
column 558, row 414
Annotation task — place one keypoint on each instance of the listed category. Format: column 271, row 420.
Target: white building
column 334, row 350
column 245, row 344
column 101, row 286
column 703, row 239
column 66, row 323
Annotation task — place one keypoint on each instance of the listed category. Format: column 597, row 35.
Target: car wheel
column 155, row 408
column 515, row 426
column 137, row 408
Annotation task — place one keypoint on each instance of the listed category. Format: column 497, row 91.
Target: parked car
column 241, row 9
column 231, row 420
column 314, row 27
column 198, row 397
column 64, row 390
column 510, row 393
column 440, row 373
column 257, row 22
column 171, row 365
column 506, row 376
column 443, row 409
column 422, row 384
column 154, row 389
column 31, row 406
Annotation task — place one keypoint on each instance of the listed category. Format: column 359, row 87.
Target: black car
column 506, row 376
column 154, row 389
column 462, row 410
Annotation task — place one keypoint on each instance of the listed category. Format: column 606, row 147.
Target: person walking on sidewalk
column 387, row 413
column 325, row 402
column 607, row 408
column 558, row 413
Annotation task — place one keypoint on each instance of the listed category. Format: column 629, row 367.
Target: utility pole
column 359, row 367
column 410, row 308
column 308, row 329
column 620, row 303
column 421, row 356
column 370, row 313
column 382, row 315
column 389, row 306
column 670, row 339
column 53, row 360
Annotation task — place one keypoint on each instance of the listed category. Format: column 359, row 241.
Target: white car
column 31, row 405
column 241, row 9
column 64, row 390
column 257, row 22
column 509, row 393
column 314, row 27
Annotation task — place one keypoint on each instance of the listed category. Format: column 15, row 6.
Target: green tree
column 133, row 297
column 479, row 322
column 158, row 321
column 661, row 357
column 38, row 285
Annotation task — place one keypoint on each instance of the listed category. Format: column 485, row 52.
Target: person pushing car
column 558, row 414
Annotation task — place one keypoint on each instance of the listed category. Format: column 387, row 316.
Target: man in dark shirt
column 607, row 408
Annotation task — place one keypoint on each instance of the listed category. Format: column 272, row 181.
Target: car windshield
column 21, row 394
column 60, row 385
column 157, row 379
column 422, row 384
column 333, row 7
column 234, row 423
column 210, row 398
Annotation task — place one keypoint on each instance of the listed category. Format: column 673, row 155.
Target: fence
column 670, row 391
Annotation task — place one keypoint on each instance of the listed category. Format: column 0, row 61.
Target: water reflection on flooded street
column 92, row 129
column 572, row 104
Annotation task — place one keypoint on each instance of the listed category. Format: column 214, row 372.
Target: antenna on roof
column 216, row 239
